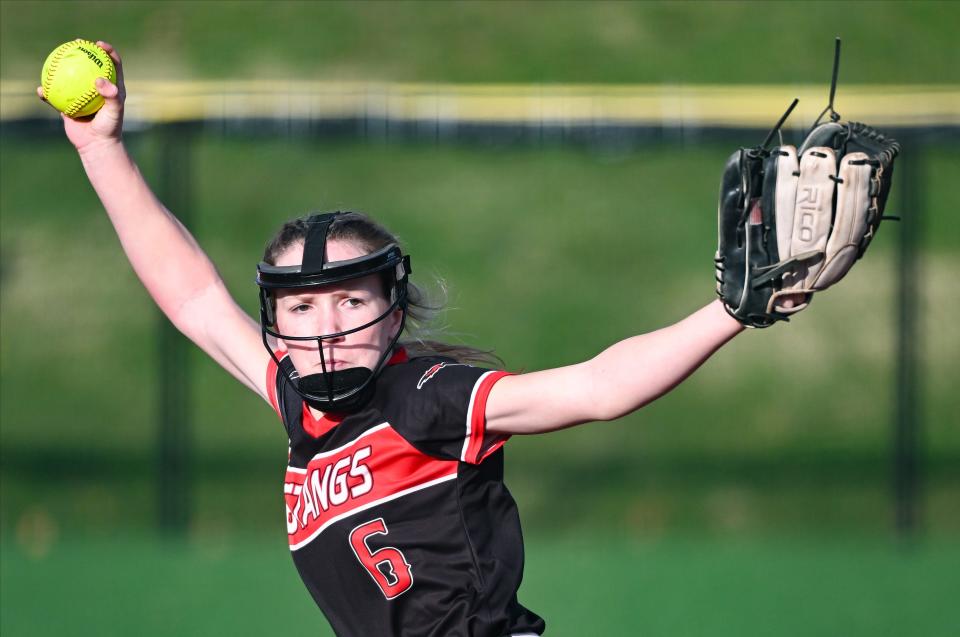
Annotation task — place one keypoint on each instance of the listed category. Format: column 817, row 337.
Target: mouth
column 334, row 364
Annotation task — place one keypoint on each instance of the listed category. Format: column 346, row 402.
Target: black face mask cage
column 346, row 390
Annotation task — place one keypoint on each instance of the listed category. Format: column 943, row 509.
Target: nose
column 330, row 322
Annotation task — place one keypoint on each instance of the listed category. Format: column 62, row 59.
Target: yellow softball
column 68, row 77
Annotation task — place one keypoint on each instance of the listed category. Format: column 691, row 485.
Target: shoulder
column 427, row 388
column 425, row 375
column 438, row 405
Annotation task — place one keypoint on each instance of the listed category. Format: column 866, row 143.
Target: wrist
column 729, row 322
column 98, row 148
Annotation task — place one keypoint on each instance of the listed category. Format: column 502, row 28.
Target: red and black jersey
column 398, row 519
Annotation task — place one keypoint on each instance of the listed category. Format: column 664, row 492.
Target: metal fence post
column 906, row 482
column 173, row 381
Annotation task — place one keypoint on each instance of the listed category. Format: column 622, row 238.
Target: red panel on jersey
column 339, row 483
column 475, row 452
column 399, row 356
column 316, row 427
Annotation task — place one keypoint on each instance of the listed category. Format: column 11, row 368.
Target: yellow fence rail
column 597, row 105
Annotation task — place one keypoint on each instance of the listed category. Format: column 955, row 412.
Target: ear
column 395, row 319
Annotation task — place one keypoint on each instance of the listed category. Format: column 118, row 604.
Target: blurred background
column 556, row 164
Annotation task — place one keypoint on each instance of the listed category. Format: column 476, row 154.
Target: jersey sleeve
column 439, row 406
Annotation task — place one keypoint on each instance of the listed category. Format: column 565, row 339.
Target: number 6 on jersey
column 388, row 566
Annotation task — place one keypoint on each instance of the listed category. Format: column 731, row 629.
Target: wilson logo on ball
column 93, row 56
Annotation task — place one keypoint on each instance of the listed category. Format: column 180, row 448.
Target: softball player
column 398, row 519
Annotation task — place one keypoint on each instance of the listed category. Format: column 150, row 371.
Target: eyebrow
column 307, row 295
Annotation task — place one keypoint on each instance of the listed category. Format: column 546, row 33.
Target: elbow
column 619, row 406
column 200, row 312
column 610, row 410
column 606, row 398
column 613, row 395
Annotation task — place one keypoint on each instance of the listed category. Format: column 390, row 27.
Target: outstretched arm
column 619, row 380
column 172, row 266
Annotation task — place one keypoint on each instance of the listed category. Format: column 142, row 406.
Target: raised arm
column 171, row 265
column 619, row 380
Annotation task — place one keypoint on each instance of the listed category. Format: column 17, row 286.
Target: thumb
column 106, row 88
column 112, row 110
column 109, row 119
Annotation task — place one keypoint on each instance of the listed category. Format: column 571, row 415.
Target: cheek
column 282, row 321
column 375, row 335
column 292, row 325
column 387, row 328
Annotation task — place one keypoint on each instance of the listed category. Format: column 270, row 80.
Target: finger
column 40, row 93
column 106, row 88
column 112, row 52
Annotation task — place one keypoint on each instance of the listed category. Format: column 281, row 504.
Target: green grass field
column 517, row 233
column 609, row 586
column 477, row 218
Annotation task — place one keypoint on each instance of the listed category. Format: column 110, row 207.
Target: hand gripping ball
column 68, row 77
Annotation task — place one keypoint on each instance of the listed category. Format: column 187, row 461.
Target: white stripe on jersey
column 473, row 395
column 346, row 514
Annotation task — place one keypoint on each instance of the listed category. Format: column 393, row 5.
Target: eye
column 300, row 308
column 354, row 302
